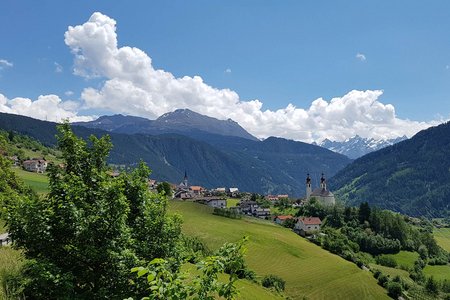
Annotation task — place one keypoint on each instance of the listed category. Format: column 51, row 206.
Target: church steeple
column 323, row 182
column 308, row 187
column 184, row 183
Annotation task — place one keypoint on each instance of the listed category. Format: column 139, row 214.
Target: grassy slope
column 38, row 182
column 405, row 258
column 438, row 272
column 442, row 236
column 308, row 270
column 392, row 272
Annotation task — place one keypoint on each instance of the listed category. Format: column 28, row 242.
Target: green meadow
column 38, row 182
column 310, row 272
column 438, row 272
column 404, row 258
column 442, row 236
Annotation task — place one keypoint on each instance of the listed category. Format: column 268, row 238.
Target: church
column 321, row 193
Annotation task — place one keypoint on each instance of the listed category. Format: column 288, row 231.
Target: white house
column 35, row 165
column 216, row 202
column 306, row 225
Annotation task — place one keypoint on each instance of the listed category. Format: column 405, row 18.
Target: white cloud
column 360, row 56
column 228, row 70
column 69, row 93
column 134, row 87
column 58, row 67
column 5, row 64
column 46, row 107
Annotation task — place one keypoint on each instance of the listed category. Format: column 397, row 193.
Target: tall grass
column 11, row 261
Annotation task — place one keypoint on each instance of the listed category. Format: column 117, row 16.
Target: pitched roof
column 196, row 188
column 321, row 192
column 310, row 220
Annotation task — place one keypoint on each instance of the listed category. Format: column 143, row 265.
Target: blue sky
column 289, row 52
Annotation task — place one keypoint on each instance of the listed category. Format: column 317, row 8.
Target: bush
column 394, row 289
column 273, row 281
column 387, row 261
column 432, row 286
column 383, row 280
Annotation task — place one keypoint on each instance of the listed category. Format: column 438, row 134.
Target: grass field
column 442, row 236
column 232, row 202
column 438, row 272
column 392, row 272
column 309, row 271
column 38, row 182
column 10, row 262
column 405, row 258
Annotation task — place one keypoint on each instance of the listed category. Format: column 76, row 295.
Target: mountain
column 412, row 177
column 182, row 121
column 358, row 146
column 275, row 165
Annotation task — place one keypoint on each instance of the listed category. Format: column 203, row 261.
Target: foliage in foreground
column 164, row 283
column 82, row 239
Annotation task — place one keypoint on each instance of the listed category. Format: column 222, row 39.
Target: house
column 213, row 201
column 285, row 196
column 262, row 213
column 307, row 225
column 281, row 219
column 272, row 198
column 234, row 192
column 252, row 208
column 322, row 194
column 197, row 190
column 35, row 165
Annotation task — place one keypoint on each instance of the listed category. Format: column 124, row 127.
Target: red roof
column 284, row 217
column 311, row 221
column 196, row 188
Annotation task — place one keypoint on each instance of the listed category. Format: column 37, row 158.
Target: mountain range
column 357, row 146
column 412, row 177
column 209, row 156
column 181, row 121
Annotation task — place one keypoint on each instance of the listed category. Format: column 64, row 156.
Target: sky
column 302, row 70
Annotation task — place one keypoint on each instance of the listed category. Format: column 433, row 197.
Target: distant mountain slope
column 182, row 121
column 411, row 177
column 358, row 146
column 271, row 166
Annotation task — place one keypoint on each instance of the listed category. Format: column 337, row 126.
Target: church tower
column 184, row 183
column 323, row 183
column 308, row 187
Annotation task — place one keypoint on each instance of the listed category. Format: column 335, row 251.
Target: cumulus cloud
column 132, row 86
column 46, row 107
column 5, row 64
column 69, row 93
column 228, row 70
column 360, row 56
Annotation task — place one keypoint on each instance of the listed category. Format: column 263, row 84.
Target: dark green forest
column 412, row 177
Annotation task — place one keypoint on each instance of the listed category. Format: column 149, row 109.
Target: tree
column 432, row 286
column 166, row 284
column 164, row 187
column 84, row 237
column 364, row 212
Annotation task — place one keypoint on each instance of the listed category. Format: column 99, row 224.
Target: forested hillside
column 275, row 165
column 412, row 177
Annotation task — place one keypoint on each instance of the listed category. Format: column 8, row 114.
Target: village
column 230, row 201
column 280, row 209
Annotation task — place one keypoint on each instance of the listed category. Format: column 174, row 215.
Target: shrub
column 432, row 286
column 383, row 280
column 273, row 281
column 387, row 261
column 394, row 289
